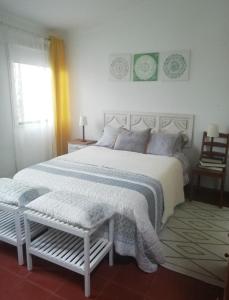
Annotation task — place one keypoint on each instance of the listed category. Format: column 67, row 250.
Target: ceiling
column 65, row 14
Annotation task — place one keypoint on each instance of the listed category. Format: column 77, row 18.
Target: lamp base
column 83, row 139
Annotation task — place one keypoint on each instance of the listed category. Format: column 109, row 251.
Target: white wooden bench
column 68, row 246
column 12, row 228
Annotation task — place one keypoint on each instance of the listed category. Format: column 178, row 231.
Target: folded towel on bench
column 72, row 208
column 16, row 193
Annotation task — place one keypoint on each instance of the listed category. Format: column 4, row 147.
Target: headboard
column 163, row 122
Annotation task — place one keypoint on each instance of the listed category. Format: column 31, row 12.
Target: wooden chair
column 214, row 150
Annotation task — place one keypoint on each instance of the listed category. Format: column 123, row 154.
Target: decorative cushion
column 134, row 141
column 165, row 144
column 17, row 193
column 109, row 137
column 72, row 208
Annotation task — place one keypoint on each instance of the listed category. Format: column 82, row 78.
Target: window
column 33, row 97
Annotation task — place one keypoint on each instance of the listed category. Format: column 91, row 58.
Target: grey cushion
column 165, row 144
column 109, row 137
column 17, row 193
column 77, row 210
column 134, row 141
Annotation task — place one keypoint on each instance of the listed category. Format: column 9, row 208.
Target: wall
column 199, row 25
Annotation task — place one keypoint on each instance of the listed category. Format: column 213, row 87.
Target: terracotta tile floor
column 123, row 281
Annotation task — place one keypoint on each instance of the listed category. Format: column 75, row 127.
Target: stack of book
column 212, row 164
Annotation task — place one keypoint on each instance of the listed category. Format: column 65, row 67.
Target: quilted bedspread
column 142, row 190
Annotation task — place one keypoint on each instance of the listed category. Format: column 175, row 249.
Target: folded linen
column 16, row 193
column 72, row 208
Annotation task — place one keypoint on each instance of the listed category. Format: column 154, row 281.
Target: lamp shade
column 213, row 130
column 83, row 121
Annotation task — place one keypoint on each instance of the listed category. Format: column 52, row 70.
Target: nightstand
column 78, row 144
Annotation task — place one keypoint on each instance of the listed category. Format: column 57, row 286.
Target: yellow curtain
column 61, row 94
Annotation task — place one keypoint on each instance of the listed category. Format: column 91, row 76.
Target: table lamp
column 83, row 123
column 213, row 131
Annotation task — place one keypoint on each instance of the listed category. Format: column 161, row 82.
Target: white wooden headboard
column 163, row 122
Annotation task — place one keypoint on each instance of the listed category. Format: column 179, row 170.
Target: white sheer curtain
column 31, row 98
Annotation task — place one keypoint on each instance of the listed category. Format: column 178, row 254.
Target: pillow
column 165, row 144
column 109, row 137
column 134, row 141
column 182, row 139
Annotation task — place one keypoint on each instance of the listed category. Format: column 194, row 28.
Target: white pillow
column 109, row 137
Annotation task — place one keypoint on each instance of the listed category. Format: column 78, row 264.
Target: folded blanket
column 72, row 208
column 16, row 193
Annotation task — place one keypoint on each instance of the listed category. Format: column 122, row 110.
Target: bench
column 67, row 245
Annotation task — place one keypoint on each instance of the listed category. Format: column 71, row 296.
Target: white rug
column 195, row 240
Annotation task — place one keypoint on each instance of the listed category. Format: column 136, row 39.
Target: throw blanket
column 77, row 210
column 110, row 177
column 15, row 193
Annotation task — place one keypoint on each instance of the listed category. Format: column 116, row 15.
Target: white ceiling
column 64, row 14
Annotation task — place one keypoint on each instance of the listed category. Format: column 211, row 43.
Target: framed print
column 174, row 65
column 120, row 67
column 145, row 67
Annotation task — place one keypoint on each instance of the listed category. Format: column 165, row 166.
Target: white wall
column 158, row 25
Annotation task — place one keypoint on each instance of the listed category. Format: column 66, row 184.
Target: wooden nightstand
column 78, row 144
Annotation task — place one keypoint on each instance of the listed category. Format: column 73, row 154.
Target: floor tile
column 8, row 259
column 47, row 275
column 168, row 285
column 28, row 291
column 8, row 281
column 55, row 297
column 115, row 292
column 72, row 290
column 73, row 287
column 131, row 277
column 106, row 271
column 49, row 280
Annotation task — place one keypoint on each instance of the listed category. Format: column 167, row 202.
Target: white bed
column 142, row 188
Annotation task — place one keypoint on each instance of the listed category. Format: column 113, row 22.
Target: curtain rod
column 23, row 30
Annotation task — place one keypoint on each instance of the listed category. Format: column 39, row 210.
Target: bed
column 143, row 189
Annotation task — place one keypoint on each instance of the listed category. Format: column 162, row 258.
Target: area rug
column 195, row 240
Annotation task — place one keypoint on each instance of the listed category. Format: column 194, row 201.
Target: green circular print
column 174, row 66
column 145, row 67
column 119, row 68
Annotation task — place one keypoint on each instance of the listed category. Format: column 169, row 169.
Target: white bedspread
column 133, row 184
column 167, row 170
